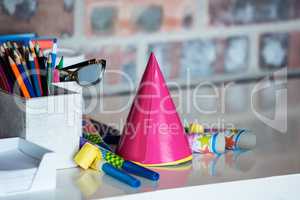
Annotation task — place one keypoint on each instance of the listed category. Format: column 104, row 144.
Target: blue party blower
column 120, row 175
column 138, row 170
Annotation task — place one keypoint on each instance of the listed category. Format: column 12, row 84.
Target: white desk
column 272, row 170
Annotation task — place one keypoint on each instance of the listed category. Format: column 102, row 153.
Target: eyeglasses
column 86, row 73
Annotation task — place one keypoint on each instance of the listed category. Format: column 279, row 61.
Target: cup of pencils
column 29, row 72
column 26, row 70
column 32, row 107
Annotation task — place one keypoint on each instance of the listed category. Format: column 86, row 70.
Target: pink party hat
column 153, row 134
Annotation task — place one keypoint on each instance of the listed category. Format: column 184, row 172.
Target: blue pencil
column 34, row 75
column 49, row 73
column 23, row 63
column 53, row 54
column 25, row 78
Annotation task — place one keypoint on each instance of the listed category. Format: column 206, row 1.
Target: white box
column 25, row 167
column 54, row 122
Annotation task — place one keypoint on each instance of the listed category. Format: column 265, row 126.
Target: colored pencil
column 61, row 63
column 3, row 81
column 38, row 73
column 24, row 67
column 37, row 48
column 34, row 75
column 49, row 73
column 9, row 74
column 37, row 67
column 25, row 77
column 5, row 50
column 19, row 78
column 42, row 61
column 54, row 52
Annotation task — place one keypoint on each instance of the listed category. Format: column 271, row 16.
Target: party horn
column 199, row 129
column 96, row 139
column 207, row 143
column 90, row 156
column 241, row 140
column 118, row 162
column 87, row 155
column 195, row 128
column 130, row 167
column 120, row 175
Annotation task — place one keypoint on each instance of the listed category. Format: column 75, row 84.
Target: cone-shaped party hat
column 153, row 134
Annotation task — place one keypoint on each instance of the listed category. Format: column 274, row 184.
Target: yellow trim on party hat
column 177, row 162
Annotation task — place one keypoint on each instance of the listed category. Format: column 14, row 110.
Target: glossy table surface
column 277, row 151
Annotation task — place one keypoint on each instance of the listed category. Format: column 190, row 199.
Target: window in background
column 37, row 16
column 198, row 58
column 148, row 19
column 202, row 58
column 234, row 12
column 133, row 16
column 103, row 19
column 236, row 54
column 273, row 50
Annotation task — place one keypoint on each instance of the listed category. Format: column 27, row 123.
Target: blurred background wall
column 201, row 39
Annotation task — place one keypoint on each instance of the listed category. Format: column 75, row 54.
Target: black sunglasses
column 86, row 73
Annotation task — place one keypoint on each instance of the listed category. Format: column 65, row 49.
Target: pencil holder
column 71, row 86
column 54, row 121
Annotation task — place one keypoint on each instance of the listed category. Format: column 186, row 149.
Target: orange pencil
column 18, row 77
